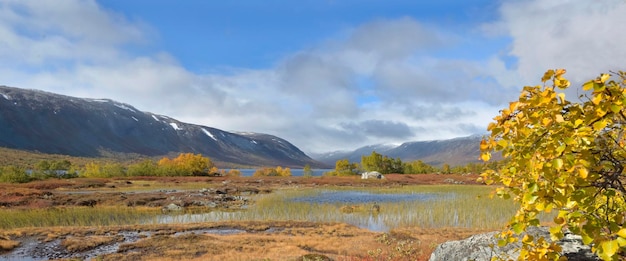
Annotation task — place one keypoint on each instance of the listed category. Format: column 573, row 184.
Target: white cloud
column 582, row 36
column 65, row 31
column 385, row 81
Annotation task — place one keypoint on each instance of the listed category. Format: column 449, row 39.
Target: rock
column 87, row 203
column 172, row 207
column 314, row 257
column 372, row 175
column 479, row 247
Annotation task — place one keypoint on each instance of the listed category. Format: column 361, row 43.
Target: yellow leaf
column 559, row 118
column 604, row 77
column 561, row 83
column 527, row 239
column 578, row 122
column 562, row 97
column 599, row 125
column 483, row 145
column 556, row 233
column 588, row 86
column 622, row 233
column 547, row 75
column 546, row 121
column 597, row 99
column 583, row 173
column 557, row 163
column 559, row 220
column 485, row 156
column 609, row 247
column 560, row 72
column 615, row 108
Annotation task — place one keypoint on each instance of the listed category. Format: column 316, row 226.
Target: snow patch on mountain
column 124, row 107
column 208, row 133
column 175, row 126
column 7, row 97
column 155, row 118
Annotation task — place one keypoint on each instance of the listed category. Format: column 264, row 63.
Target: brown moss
column 8, row 244
column 79, row 244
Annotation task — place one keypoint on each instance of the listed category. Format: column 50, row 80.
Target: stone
column 372, row 175
column 172, row 207
column 314, row 257
column 485, row 246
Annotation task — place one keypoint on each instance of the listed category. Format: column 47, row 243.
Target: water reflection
column 320, row 206
column 362, row 197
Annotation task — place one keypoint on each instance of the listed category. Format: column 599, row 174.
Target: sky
column 325, row 75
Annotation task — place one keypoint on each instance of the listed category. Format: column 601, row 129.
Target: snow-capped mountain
column 52, row 123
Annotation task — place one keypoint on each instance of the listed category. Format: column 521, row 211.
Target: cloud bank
column 385, row 81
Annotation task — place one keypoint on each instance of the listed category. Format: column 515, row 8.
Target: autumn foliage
column 186, row 164
column 278, row 171
column 564, row 156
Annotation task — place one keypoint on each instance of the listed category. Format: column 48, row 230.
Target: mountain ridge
column 59, row 124
column 455, row 151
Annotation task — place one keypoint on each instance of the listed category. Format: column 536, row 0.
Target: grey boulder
column 485, row 246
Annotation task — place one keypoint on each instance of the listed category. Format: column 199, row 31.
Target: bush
column 278, row 171
column 12, row 174
column 568, row 156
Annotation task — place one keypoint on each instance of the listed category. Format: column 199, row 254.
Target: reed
column 74, row 216
column 462, row 206
column 449, row 206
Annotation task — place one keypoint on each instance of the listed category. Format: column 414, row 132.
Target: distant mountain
column 457, row 151
column 52, row 123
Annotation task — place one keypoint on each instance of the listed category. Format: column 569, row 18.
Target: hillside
column 457, row 151
column 56, row 124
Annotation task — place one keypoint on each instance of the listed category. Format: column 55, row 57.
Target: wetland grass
column 74, row 216
column 436, row 206
column 433, row 206
column 464, row 206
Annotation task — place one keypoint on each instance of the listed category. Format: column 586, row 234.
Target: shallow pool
column 362, row 197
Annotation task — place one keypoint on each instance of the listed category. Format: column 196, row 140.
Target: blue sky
column 325, row 75
column 204, row 35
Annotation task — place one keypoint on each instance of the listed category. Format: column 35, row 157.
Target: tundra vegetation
column 273, row 172
column 387, row 165
column 564, row 156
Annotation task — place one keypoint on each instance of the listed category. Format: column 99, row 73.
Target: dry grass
column 285, row 240
column 6, row 244
column 337, row 241
column 275, row 229
column 74, row 216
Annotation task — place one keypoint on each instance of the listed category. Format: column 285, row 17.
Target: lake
column 294, row 172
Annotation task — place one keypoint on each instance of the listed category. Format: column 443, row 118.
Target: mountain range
column 457, row 151
column 51, row 123
column 57, row 124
